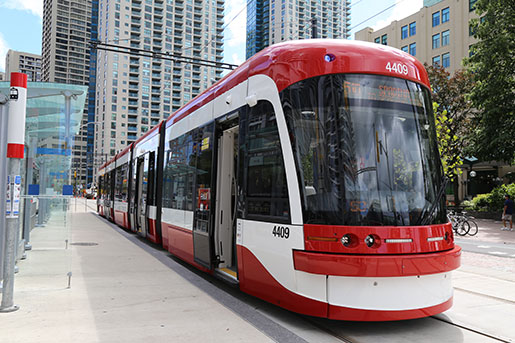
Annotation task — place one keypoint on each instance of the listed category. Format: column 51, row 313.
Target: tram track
column 478, row 332
column 325, row 329
column 485, row 295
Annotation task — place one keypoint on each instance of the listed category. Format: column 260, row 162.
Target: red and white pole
column 15, row 146
column 17, row 113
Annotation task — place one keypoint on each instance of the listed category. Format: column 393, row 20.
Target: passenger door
column 141, row 191
column 226, row 190
column 203, row 215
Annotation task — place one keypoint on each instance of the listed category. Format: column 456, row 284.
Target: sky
column 21, row 23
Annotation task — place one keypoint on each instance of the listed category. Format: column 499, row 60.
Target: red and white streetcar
column 309, row 176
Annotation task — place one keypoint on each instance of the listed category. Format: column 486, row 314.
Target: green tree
column 453, row 111
column 493, row 66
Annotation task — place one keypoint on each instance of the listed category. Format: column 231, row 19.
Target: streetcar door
column 225, row 210
column 141, row 185
column 133, row 198
column 202, row 220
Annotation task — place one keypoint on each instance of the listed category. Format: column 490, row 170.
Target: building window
column 445, row 38
column 405, row 48
column 377, row 40
column 413, row 49
column 413, row 29
column 436, row 18
column 446, row 60
column 404, row 32
column 436, row 41
column 445, row 15
column 384, row 39
column 436, row 60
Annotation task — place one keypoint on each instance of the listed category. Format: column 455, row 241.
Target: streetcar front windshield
column 365, row 149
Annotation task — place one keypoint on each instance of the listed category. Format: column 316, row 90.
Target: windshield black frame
column 365, row 150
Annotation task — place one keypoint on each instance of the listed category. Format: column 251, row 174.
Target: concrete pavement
column 119, row 293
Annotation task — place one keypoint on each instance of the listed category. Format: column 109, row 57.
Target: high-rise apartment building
column 23, row 62
column 134, row 93
column 274, row 21
column 437, row 34
column 67, row 27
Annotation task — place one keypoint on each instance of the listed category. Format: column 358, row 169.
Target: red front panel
column 327, row 238
column 377, row 266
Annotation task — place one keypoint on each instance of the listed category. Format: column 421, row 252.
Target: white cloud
column 3, row 52
column 236, row 59
column 33, row 6
column 402, row 9
column 236, row 31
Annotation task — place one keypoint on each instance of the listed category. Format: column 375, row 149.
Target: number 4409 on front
column 398, row 68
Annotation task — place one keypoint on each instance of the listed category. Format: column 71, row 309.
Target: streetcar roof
column 290, row 62
column 124, row 151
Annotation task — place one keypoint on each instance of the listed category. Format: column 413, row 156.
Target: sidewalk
column 119, row 293
column 490, row 231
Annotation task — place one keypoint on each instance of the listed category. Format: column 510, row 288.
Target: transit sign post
column 17, row 108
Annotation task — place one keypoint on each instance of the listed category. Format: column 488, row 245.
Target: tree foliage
column 452, row 109
column 446, row 141
column 493, row 66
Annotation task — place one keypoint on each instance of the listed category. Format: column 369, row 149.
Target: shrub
column 480, row 202
column 493, row 201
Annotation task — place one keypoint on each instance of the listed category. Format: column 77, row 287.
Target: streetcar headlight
column 372, row 241
column 329, row 57
column 349, row 240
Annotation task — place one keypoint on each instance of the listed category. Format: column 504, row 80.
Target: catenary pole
column 3, row 176
column 15, row 147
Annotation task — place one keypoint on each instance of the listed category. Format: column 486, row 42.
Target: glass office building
column 274, row 21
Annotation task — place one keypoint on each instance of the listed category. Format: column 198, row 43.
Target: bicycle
column 459, row 224
column 462, row 224
column 473, row 225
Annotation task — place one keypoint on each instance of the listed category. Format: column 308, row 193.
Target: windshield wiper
column 424, row 217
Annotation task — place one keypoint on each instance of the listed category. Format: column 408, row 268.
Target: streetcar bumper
column 382, row 288
column 377, row 265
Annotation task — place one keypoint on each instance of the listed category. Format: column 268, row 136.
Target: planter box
column 485, row 215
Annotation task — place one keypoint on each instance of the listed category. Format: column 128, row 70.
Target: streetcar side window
column 265, row 190
column 121, row 183
column 179, row 173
